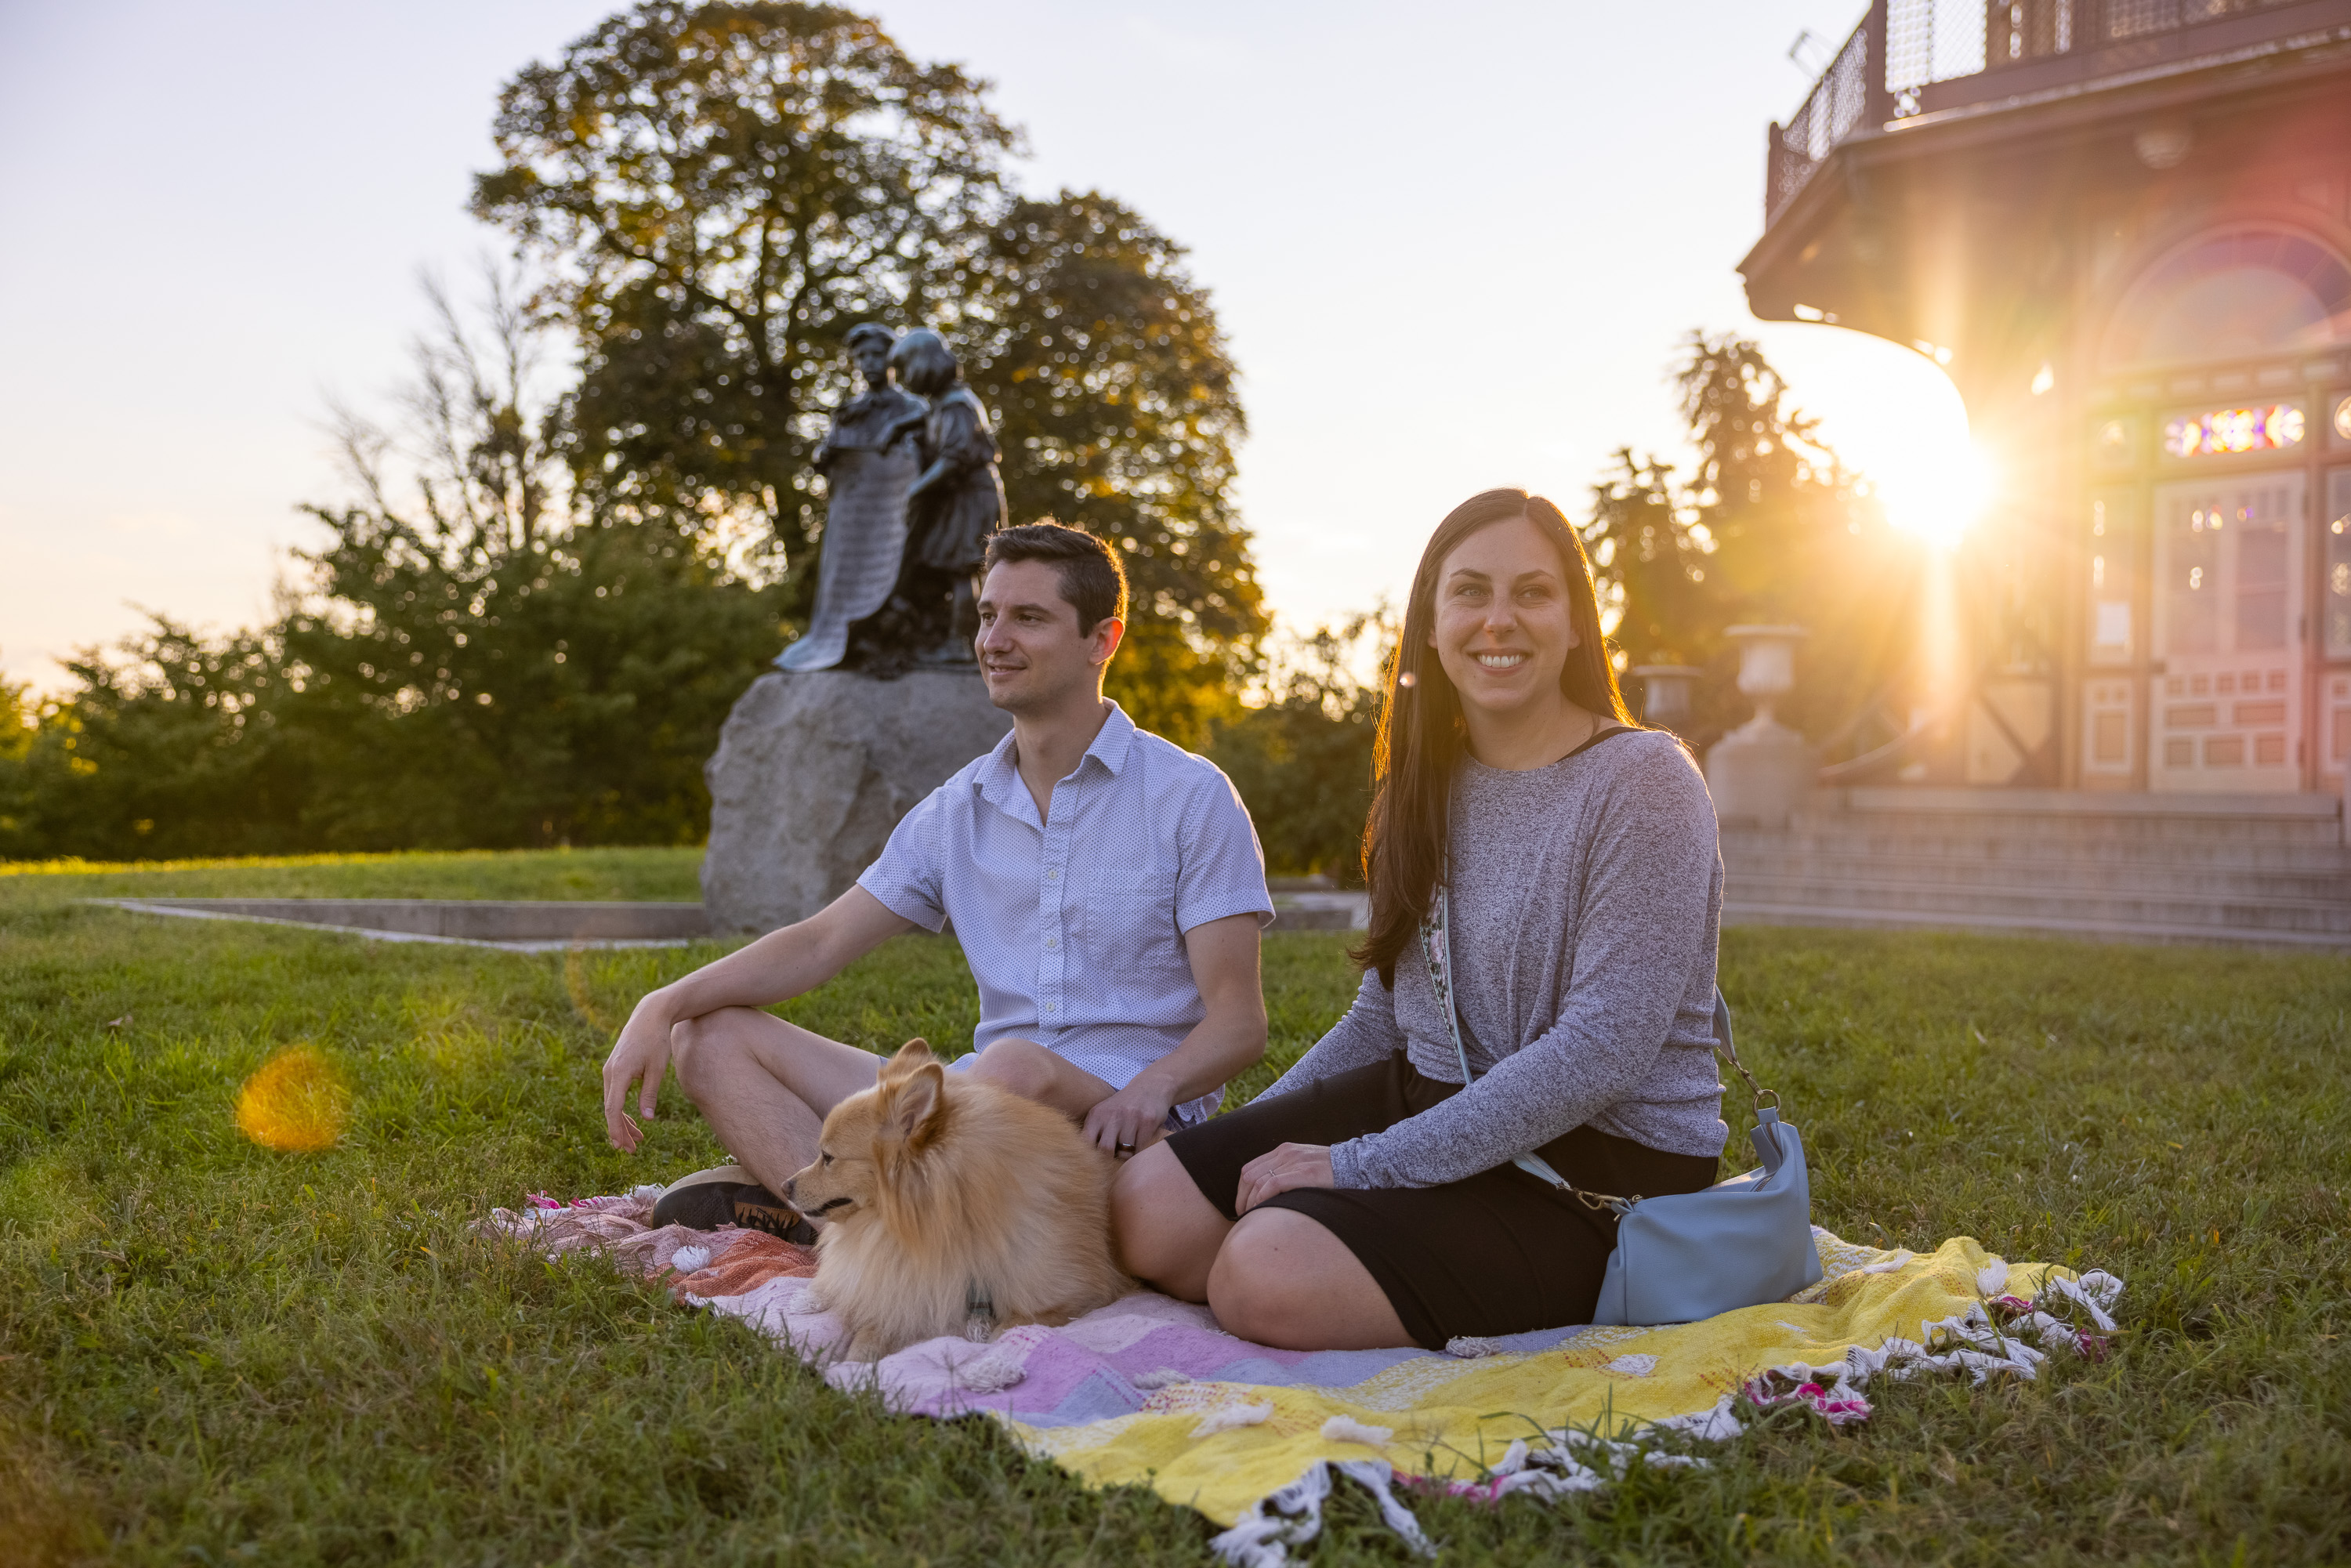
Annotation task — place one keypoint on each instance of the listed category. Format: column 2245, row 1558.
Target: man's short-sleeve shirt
column 1074, row 925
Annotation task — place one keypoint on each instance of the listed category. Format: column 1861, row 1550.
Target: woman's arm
column 1644, row 932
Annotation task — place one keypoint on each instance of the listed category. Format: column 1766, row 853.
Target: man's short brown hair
column 1092, row 581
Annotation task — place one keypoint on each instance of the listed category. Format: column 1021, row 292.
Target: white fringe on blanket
column 1578, row 1461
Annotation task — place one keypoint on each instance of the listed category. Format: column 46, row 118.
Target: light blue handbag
column 1684, row 1256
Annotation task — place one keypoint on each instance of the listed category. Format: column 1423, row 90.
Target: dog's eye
column 828, row 1159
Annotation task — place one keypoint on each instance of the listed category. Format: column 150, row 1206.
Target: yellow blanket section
column 1448, row 1418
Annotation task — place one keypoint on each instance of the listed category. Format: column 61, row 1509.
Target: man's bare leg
column 765, row 1085
column 1031, row 1072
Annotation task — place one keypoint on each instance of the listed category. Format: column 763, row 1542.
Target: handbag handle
column 1729, row 1052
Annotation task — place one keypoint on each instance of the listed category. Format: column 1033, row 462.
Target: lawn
column 211, row 1353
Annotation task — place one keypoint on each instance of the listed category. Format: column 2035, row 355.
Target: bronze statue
column 951, row 508
column 868, row 465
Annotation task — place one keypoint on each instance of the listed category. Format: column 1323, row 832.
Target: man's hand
column 640, row 1054
column 1134, row 1118
column 1279, row 1170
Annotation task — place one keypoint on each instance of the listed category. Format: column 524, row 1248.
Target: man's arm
column 777, row 967
column 1229, row 1038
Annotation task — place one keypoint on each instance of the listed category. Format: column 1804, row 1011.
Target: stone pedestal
column 812, row 771
column 1759, row 773
column 1763, row 771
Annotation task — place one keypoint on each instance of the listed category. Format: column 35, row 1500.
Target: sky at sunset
column 1452, row 248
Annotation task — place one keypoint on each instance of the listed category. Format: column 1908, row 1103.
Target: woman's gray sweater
column 1584, row 899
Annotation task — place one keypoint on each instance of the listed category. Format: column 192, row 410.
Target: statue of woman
column 951, row 507
column 868, row 464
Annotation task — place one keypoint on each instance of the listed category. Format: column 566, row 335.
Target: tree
column 474, row 657
column 534, row 664
column 1772, row 527
column 724, row 190
column 1302, row 761
column 1117, row 413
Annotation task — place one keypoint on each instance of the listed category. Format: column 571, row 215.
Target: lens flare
column 1939, row 492
column 583, row 999
column 295, row 1102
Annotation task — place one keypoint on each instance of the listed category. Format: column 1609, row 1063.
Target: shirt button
column 1051, row 943
column 1052, row 1007
column 1053, row 873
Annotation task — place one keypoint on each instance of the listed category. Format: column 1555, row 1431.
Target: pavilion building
column 2124, row 229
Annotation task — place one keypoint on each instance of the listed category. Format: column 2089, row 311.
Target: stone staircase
column 2269, row 871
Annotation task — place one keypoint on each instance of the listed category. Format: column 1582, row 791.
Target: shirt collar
column 999, row 780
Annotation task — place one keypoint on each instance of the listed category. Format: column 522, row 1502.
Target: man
column 1107, row 885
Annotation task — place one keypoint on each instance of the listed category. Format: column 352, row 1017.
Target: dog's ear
column 910, row 1056
column 915, row 1102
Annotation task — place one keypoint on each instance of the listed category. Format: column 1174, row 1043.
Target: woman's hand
column 1279, row 1170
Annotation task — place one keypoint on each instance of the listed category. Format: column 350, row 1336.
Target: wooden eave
column 2300, row 68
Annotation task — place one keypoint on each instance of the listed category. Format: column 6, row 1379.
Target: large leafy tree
column 724, row 190
column 1117, row 411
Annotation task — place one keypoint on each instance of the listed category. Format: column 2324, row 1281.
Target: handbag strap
column 1436, row 946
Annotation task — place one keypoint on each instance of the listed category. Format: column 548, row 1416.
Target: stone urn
column 1761, row 772
column 1668, row 694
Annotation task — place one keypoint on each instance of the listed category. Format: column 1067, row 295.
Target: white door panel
column 2227, row 713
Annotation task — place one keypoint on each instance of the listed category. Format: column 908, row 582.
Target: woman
column 1368, row 1198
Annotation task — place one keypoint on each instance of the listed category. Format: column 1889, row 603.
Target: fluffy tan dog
column 954, row 1207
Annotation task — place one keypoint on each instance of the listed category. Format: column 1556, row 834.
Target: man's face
column 1030, row 652
column 873, row 357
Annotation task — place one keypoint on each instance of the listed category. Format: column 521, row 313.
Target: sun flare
column 1937, row 490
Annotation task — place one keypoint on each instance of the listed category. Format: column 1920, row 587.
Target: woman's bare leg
column 1282, row 1279
column 1163, row 1230
column 763, row 1085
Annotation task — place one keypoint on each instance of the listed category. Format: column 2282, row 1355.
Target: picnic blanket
column 1149, row 1391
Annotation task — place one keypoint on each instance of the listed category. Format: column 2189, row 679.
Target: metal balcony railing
column 1898, row 63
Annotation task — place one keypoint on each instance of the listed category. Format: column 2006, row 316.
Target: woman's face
column 1502, row 630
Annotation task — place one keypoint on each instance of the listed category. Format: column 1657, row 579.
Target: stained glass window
column 2227, row 431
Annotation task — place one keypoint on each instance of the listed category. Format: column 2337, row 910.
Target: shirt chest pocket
column 1129, row 918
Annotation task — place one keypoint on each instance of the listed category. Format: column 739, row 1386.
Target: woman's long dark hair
column 1422, row 736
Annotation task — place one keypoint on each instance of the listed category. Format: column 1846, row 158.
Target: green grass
column 214, row 1353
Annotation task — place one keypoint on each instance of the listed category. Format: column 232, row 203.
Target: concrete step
column 1746, row 913
column 2184, row 858
column 526, row 925
column 2040, row 815
column 1746, row 863
column 2188, row 906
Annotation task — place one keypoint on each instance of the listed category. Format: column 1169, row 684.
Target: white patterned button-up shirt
column 1074, row 925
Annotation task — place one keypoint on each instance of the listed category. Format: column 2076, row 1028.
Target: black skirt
column 1499, row 1252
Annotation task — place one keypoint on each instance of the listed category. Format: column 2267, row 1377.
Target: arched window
column 2232, row 296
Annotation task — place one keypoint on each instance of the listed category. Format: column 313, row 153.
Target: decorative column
column 1666, row 693
column 1761, row 772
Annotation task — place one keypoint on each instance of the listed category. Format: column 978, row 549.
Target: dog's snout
column 790, row 1183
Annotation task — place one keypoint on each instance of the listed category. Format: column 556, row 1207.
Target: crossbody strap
column 1436, row 946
